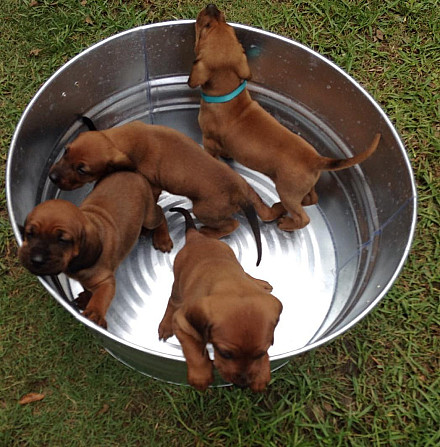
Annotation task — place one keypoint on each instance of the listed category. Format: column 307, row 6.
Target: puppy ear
column 199, row 75
column 197, row 320
column 88, row 249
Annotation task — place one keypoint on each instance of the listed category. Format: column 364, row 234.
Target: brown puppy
column 213, row 300
column 240, row 128
column 89, row 242
column 171, row 161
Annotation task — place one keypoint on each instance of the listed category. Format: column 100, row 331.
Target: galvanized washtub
column 328, row 275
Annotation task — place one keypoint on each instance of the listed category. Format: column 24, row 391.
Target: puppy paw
column 199, row 380
column 259, row 385
column 277, row 210
column 165, row 331
column 96, row 317
column 162, row 242
column 269, row 214
column 287, row 223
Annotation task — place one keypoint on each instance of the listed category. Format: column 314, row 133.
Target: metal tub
column 328, row 275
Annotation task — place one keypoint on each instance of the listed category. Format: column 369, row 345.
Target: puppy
column 89, row 242
column 171, row 161
column 241, row 129
column 213, row 300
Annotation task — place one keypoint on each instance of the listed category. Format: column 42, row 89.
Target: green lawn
column 378, row 385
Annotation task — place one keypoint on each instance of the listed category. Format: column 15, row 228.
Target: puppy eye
column 64, row 240
column 259, row 356
column 227, row 355
column 208, row 25
column 29, row 233
column 81, row 170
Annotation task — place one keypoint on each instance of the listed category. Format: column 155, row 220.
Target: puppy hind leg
column 297, row 219
column 157, row 222
column 219, row 229
column 265, row 213
column 212, row 216
column 161, row 238
column 311, row 198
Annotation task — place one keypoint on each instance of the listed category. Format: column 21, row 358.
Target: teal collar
column 225, row 98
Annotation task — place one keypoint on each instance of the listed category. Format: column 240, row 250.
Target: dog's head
column 241, row 331
column 54, row 236
column 217, row 49
column 91, row 156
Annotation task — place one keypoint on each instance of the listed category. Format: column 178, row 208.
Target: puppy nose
column 54, row 176
column 212, row 10
column 241, row 380
column 37, row 259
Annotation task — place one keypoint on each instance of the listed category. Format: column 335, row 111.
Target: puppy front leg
column 262, row 377
column 102, row 296
column 298, row 217
column 200, row 366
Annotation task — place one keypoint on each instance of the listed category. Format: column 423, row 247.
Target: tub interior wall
column 365, row 210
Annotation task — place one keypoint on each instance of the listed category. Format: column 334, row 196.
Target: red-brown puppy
column 213, row 300
column 169, row 160
column 235, row 126
column 89, row 242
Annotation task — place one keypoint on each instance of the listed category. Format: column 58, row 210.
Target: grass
column 377, row 385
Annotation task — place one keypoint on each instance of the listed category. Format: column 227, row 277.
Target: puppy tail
column 251, row 215
column 189, row 222
column 332, row 164
column 88, row 122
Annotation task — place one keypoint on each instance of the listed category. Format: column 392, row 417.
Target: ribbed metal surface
column 144, row 279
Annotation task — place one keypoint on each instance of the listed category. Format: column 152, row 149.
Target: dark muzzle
column 213, row 11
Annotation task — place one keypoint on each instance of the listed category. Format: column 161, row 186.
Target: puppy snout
column 241, row 380
column 37, row 259
column 212, row 11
